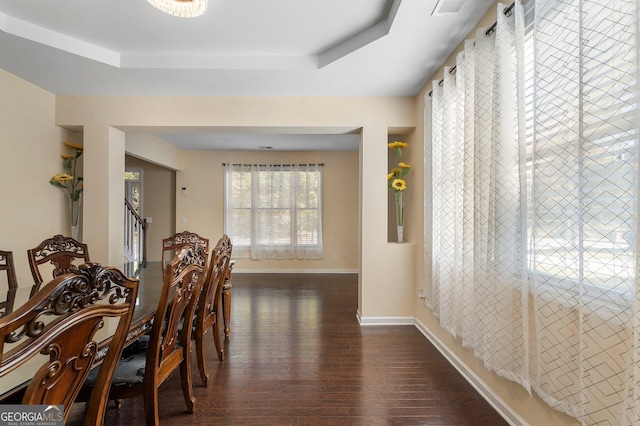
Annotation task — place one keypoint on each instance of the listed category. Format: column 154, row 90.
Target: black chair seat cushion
column 139, row 346
column 130, row 368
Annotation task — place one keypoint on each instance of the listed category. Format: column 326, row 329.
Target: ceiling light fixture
column 181, row 8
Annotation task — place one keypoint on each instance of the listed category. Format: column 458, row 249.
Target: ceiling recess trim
column 57, row 40
column 361, row 39
column 38, row 34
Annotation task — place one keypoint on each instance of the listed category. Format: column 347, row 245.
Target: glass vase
column 74, row 216
column 399, row 217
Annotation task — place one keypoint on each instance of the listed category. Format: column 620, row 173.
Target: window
column 274, row 211
column 133, row 188
column 582, row 159
column 133, row 239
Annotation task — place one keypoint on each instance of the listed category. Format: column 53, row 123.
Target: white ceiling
column 237, row 48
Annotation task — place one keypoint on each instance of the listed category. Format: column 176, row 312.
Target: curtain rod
column 491, row 30
column 276, row 165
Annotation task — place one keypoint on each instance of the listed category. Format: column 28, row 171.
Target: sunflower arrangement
column 396, row 179
column 70, row 182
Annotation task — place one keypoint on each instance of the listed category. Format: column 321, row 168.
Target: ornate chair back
column 169, row 345
column 11, row 283
column 60, row 252
column 56, row 335
column 172, row 245
column 208, row 314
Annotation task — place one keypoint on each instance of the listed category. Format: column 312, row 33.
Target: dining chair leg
column 226, row 306
column 151, row 415
column 226, row 300
column 187, row 389
column 202, row 368
column 216, row 340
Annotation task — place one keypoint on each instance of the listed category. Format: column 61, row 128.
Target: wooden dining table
column 149, row 290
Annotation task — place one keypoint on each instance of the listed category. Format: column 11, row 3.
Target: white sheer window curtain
column 583, row 250
column 478, row 285
column 274, row 211
column 534, row 181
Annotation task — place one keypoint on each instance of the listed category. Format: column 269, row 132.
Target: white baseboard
column 386, row 320
column 295, row 271
column 478, row 384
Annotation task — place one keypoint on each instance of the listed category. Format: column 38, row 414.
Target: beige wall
column 32, row 209
column 529, row 409
column 154, row 150
column 203, row 176
column 202, row 207
column 386, row 271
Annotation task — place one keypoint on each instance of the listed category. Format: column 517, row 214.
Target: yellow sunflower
column 74, row 146
column 62, row 177
column 397, row 144
column 399, row 184
column 404, row 165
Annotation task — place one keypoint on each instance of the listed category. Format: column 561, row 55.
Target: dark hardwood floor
column 297, row 356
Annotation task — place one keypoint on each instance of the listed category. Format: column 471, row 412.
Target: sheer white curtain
column 535, row 205
column 478, row 285
column 583, row 252
column 274, row 210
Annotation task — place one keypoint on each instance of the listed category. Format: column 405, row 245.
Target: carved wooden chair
column 169, row 345
column 54, row 336
column 208, row 314
column 173, row 244
column 59, row 251
column 6, row 264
